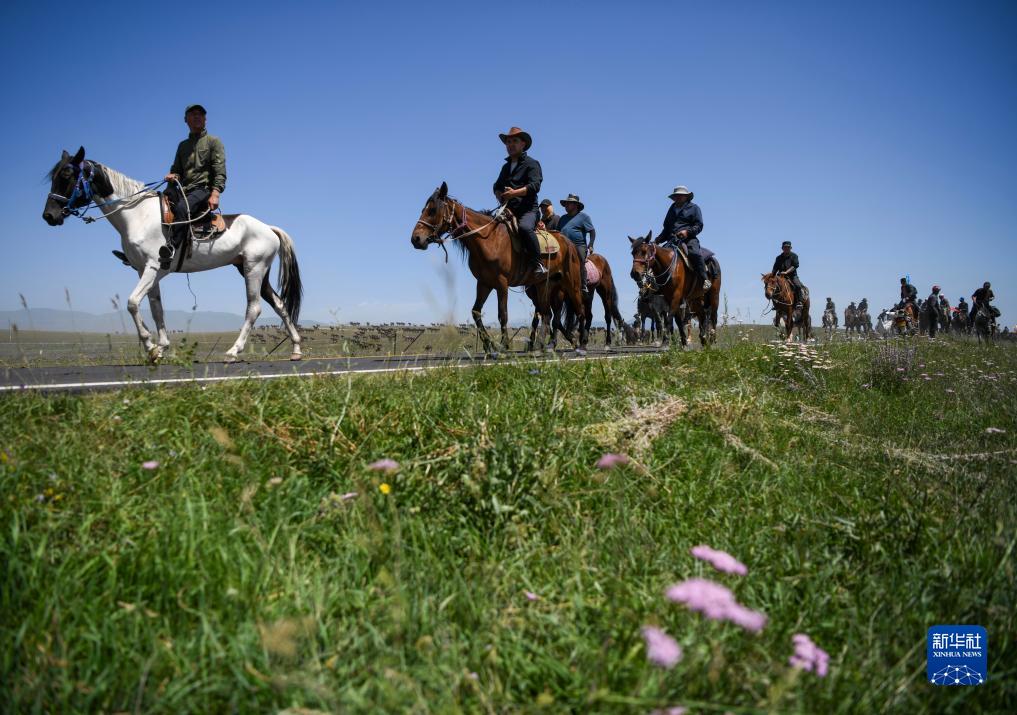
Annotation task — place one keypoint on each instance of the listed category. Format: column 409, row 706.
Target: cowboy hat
column 197, row 107
column 680, row 191
column 572, row 198
column 517, row 132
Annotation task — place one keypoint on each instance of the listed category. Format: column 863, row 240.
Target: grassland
column 497, row 569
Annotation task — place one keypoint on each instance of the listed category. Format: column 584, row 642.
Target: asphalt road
column 86, row 378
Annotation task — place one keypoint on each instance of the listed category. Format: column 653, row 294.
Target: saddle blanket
column 548, row 243
column 592, row 274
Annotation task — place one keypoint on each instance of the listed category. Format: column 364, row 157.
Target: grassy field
column 229, row 549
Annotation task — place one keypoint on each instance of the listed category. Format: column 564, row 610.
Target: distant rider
column 786, row 264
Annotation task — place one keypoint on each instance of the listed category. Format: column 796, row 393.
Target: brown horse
column 677, row 283
column 608, row 293
column 778, row 291
column 487, row 246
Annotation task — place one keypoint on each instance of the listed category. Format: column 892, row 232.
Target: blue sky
column 877, row 137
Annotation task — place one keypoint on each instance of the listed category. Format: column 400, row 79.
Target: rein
column 445, row 231
column 83, row 189
column 657, row 284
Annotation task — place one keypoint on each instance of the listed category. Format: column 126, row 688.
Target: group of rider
column 197, row 178
column 937, row 302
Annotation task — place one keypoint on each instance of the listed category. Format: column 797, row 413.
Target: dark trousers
column 528, row 230
column 194, row 203
column 933, row 320
column 695, row 256
column 796, row 286
column 581, row 250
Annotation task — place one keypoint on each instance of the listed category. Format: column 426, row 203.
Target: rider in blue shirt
column 576, row 225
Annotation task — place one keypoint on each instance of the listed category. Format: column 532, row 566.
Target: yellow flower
column 384, row 488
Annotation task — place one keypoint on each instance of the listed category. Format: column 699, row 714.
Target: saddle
column 548, row 243
column 210, row 225
column 709, row 258
column 592, row 274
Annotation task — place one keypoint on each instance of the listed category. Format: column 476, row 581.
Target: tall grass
column 242, row 574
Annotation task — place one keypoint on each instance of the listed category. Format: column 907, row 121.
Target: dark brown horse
column 676, row 282
column 608, row 292
column 778, row 291
column 487, row 246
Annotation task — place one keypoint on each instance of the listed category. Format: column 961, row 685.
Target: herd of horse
column 670, row 292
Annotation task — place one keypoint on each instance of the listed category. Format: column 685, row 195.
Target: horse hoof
column 493, row 355
column 154, row 356
column 230, row 359
column 581, row 352
column 296, row 356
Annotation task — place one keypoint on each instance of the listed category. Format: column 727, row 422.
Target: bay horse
column 779, row 292
column 608, row 292
column 677, row 283
column 485, row 243
column 133, row 209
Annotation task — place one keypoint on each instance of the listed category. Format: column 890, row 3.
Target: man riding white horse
column 194, row 181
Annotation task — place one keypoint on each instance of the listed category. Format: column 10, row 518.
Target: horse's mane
column 123, row 185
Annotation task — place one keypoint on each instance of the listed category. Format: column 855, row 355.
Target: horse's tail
column 290, row 289
column 614, row 303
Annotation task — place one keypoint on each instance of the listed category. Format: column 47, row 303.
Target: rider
column 199, row 167
column 982, row 294
column 517, row 186
column 683, row 223
column 576, row 225
column 786, row 264
column 932, row 311
column 547, row 215
column 908, row 294
column 863, row 305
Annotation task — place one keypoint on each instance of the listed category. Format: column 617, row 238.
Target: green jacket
column 201, row 161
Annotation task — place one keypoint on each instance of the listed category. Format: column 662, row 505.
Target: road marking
column 319, row 373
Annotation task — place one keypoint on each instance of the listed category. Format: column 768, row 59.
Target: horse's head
column 73, row 184
column 435, row 219
column 770, row 285
column 643, row 253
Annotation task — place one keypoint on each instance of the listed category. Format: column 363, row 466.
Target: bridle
column 648, row 275
column 85, row 191
column 449, row 228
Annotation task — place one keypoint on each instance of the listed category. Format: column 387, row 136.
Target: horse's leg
column 147, row 279
column 276, row 301
column 155, row 303
column 483, row 291
column 609, row 309
column 533, row 330
column 253, row 277
column 503, row 313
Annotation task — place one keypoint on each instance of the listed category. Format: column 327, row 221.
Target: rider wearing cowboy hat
column 200, row 169
column 575, row 225
column 682, row 223
column 517, row 186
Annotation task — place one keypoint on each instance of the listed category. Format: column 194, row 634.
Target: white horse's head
column 73, row 183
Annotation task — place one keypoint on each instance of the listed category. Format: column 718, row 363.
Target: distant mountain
column 113, row 322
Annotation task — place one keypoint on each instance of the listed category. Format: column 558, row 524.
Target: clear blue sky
column 878, row 137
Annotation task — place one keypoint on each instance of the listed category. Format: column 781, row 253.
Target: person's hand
column 684, row 233
column 541, row 226
column 213, row 200
column 172, row 177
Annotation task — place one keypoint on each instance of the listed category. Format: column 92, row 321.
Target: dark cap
column 546, row 202
column 197, row 107
column 786, row 243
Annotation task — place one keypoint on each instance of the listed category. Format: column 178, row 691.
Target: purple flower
column 808, row 655
column 661, row 649
column 348, row 496
column 611, row 460
column 715, row 602
column 720, row 560
column 150, row 464
column 531, row 596
column 384, row 465
column 673, row 710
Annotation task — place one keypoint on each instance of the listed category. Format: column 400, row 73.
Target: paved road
column 112, row 377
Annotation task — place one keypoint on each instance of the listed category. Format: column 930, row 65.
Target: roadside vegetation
column 503, row 538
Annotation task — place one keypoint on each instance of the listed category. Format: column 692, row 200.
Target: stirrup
column 707, row 284
column 539, row 268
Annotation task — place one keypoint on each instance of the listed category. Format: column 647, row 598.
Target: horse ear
column 65, row 156
column 631, row 240
column 80, row 156
column 443, row 191
column 649, row 234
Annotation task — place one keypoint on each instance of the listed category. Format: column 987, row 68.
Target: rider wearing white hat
column 682, row 224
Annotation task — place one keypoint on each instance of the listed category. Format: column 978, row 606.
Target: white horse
column 136, row 213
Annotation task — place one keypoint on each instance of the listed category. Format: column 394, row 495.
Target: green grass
column 232, row 578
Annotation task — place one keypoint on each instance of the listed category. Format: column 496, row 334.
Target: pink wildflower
column 348, row 496
column 661, row 649
column 673, row 710
column 611, row 460
column 531, row 596
column 384, row 465
column 150, row 464
column 715, row 602
column 808, row 655
column 994, row 430
column 720, row 560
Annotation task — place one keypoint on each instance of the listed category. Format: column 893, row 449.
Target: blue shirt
column 575, row 228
